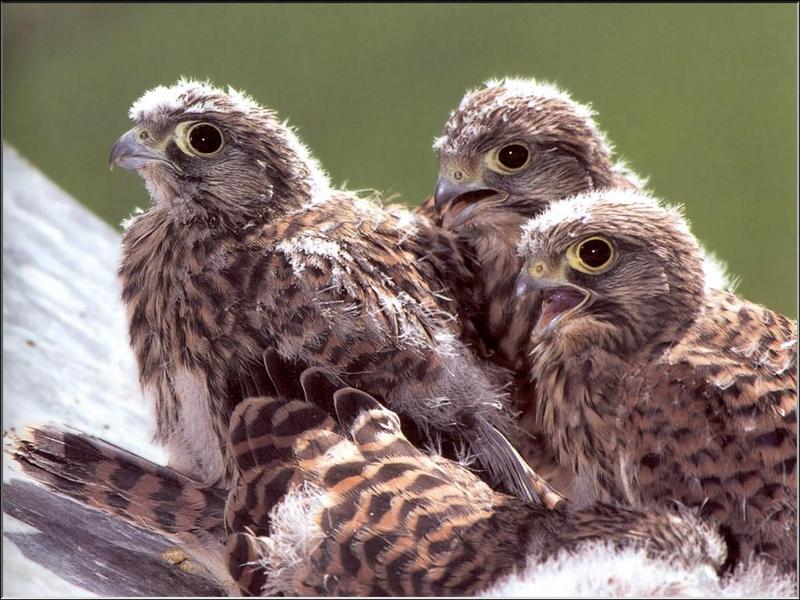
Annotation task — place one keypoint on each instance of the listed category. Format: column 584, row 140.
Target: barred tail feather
column 102, row 475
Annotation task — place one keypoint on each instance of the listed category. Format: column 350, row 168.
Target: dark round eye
column 205, row 139
column 595, row 253
column 513, row 157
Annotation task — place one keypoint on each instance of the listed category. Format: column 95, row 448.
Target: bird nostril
column 458, row 176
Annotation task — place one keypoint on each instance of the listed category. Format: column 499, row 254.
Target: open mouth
column 557, row 303
column 460, row 209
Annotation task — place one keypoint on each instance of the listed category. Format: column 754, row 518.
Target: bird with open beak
column 652, row 387
column 508, row 150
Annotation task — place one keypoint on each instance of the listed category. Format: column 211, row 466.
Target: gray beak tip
column 129, row 153
column 524, row 285
column 444, row 193
column 448, row 191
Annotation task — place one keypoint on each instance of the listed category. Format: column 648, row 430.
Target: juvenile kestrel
column 508, row 150
column 366, row 513
column 652, row 387
column 247, row 247
column 344, row 505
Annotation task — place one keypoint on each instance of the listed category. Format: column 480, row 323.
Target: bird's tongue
column 556, row 301
column 462, row 207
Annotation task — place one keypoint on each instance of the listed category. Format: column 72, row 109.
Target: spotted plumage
column 366, row 513
column 484, row 204
column 344, row 505
column 247, row 247
column 653, row 388
column 509, row 149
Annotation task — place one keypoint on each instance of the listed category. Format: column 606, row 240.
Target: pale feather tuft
column 624, row 171
column 580, row 209
column 599, row 570
column 295, row 536
column 165, row 99
column 536, row 91
column 717, row 275
column 513, row 91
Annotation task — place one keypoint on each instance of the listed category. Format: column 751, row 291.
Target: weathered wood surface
column 66, row 360
column 65, row 348
column 93, row 551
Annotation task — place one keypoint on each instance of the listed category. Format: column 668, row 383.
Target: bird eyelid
column 511, row 157
column 183, row 137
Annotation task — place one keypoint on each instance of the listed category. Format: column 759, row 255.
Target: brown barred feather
column 349, row 508
column 569, row 155
column 105, row 476
column 660, row 391
column 366, row 513
column 251, row 250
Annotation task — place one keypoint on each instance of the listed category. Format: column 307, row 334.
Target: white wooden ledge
column 66, row 360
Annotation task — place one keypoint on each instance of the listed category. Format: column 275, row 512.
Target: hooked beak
column 540, row 276
column 527, row 283
column 447, row 192
column 559, row 298
column 128, row 152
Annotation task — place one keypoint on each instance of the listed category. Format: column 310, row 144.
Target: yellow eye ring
column 510, row 158
column 199, row 139
column 592, row 255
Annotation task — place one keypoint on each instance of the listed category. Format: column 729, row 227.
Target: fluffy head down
column 598, row 570
column 251, row 166
column 651, row 284
column 504, row 101
column 600, row 209
column 189, row 95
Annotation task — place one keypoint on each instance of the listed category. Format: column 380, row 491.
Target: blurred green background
column 701, row 98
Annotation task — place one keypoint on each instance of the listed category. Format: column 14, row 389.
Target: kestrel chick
column 508, row 150
column 343, row 506
column 652, row 388
column 247, row 247
column 366, row 513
